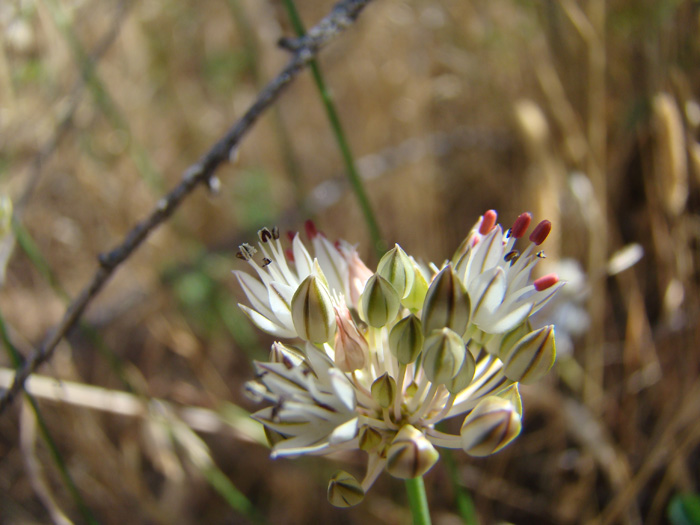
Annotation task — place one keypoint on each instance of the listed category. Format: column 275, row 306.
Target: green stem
column 418, row 501
column 353, row 174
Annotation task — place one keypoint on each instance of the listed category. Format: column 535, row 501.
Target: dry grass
column 472, row 104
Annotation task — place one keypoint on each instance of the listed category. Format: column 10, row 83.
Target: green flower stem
column 418, row 501
column 353, row 174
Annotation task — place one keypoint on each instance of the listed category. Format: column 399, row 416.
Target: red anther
column 488, row 221
column 539, row 234
column 546, row 282
column 336, row 244
column 291, row 235
column 521, row 224
column 289, row 254
column 311, row 231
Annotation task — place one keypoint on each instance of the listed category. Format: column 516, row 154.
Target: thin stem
column 418, row 501
column 348, row 159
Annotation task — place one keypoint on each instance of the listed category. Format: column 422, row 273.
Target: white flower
column 375, row 361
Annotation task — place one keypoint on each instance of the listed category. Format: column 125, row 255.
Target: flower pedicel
column 373, row 361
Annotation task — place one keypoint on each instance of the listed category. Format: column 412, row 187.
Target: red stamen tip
column 311, row 231
column 289, row 254
column 521, row 224
column 291, row 235
column 488, row 221
column 539, row 234
column 546, row 282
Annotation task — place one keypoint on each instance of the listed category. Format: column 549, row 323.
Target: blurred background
column 585, row 112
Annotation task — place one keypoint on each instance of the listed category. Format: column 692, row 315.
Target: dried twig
column 343, row 14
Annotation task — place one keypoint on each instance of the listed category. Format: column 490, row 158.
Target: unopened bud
column 492, row 424
column 512, row 394
column 380, row 302
column 406, row 339
column 312, row 311
column 446, row 303
column 465, row 375
column 415, row 298
column 384, row 390
column 396, row 267
column 444, row 354
column 411, row 454
column 531, row 357
column 370, row 438
column 344, row 490
column 351, row 348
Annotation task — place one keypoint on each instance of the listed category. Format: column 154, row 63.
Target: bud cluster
column 376, row 360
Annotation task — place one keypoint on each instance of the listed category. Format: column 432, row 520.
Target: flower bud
column 443, row 354
column 464, row 377
column 396, row 267
column 370, row 438
column 406, row 339
column 446, row 303
column 384, row 390
column 344, row 490
column 380, row 302
column 416, row 296
column 531, row 357
column 351, row 348
column 312, row 311
column 512, row 394
column 410, row 454
column 492, row 424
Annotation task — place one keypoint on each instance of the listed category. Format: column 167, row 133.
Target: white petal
column 302, row 259
column 280, row 298
column 343, row 388
column 487, row 294
column 344, row 432
column 332, row 263
column 256, row 293
column 267, row 325
column 487, row 253
column 507, row 319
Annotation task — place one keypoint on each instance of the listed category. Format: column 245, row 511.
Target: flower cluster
column 373, row 361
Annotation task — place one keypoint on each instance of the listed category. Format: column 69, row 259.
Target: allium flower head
column 373, row 361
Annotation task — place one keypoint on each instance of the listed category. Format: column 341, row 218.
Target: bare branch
column 343, row 14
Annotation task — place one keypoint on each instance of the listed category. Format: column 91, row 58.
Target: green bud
column 406, row 339
column 312, row 311
column 488, row 428
column 396, row 267
column 370, row 438
column 384, row 390
column 512, row 394
column 416, row 296
column 444, row 353
column 465, row 375
column 344, row 490
column 410, row 454
column 446, row 303
column 497, row 343
column 531, row 357
column 380, row 302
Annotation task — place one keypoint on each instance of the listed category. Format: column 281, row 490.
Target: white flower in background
column 373, row 361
